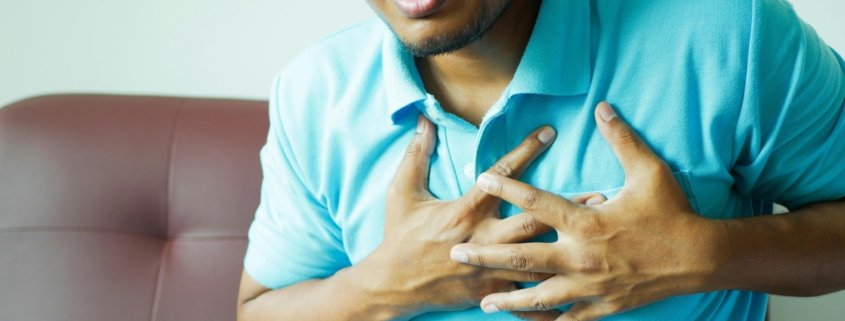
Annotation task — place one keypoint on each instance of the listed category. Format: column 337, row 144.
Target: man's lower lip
column 418, row 8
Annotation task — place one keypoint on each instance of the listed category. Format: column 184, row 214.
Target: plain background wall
column 207, row 48
column 225, row 48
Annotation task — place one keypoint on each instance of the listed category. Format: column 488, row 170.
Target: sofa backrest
column 126, row 208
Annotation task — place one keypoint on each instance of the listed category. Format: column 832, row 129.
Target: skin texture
column 416, row 274
column 647, row 243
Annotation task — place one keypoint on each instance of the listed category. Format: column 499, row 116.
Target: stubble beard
column 446, row 43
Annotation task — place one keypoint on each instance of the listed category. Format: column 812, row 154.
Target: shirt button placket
column 491, row 146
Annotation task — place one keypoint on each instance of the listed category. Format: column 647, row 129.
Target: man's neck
column 468, row 81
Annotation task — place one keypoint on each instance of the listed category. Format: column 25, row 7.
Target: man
column 738, row 105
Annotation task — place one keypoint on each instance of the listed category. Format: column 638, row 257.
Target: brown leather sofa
column 126, row 208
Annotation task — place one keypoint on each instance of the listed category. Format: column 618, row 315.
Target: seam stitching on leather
column 170, row 160
column 159, row 280
column 167, row 189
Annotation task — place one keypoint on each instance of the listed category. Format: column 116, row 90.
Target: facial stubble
column 443, row 44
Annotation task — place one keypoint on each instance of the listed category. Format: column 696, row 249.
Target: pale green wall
column 208, row 48
column 224, row 48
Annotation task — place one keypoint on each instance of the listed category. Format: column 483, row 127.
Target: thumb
column 634, row 155
column 411, row 179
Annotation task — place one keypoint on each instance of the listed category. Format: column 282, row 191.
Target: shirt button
column 469, row 170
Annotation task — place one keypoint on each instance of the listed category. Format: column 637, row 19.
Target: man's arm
column 342, row 296
column 801, row 253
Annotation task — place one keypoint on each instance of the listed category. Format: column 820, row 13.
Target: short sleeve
column 789, row 145
column 293, row 238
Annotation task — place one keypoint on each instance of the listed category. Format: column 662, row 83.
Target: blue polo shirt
column 741, row 98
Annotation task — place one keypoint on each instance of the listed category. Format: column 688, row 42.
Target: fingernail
column 483, row 181
column 420, row 124
column 546, row 135
column 595, row 200
column 459, row 256
column 490, row 308
column 606, row 112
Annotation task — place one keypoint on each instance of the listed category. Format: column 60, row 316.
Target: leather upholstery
column 126, row 208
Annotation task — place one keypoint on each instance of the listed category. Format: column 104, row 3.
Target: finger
column 528, row 257
column 518, row 228
column 546, row 207
column 634, row 155
column 589, row 199
column 546, row 296
column 516, row 276
column 412, row 176
column 523, row 227
column 537, row 315
column 585, row 311
column 514, row 163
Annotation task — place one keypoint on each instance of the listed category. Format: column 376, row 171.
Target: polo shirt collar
column 402, row 81
column 556, row 61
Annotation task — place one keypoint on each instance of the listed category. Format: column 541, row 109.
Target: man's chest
column 695, row 143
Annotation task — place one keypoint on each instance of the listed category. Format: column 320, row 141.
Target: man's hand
column 644, row 245
column 412, row 266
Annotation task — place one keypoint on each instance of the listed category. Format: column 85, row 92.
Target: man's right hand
column 412, row 266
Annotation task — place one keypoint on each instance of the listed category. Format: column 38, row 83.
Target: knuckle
column 519, row 260
column 530, row 226
column 496, row 188
column 414, row 149
column 478, row 259
column 536, row 277
column 626, row 135
column 531, row 199
column 540, row 302
column 504, row 167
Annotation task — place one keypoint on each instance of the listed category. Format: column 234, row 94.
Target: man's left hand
column 644, row 245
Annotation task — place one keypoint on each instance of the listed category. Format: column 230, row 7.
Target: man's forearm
column 796, row 254
column 343, row 296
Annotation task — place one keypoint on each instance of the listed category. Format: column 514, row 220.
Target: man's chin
column 435, row 47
